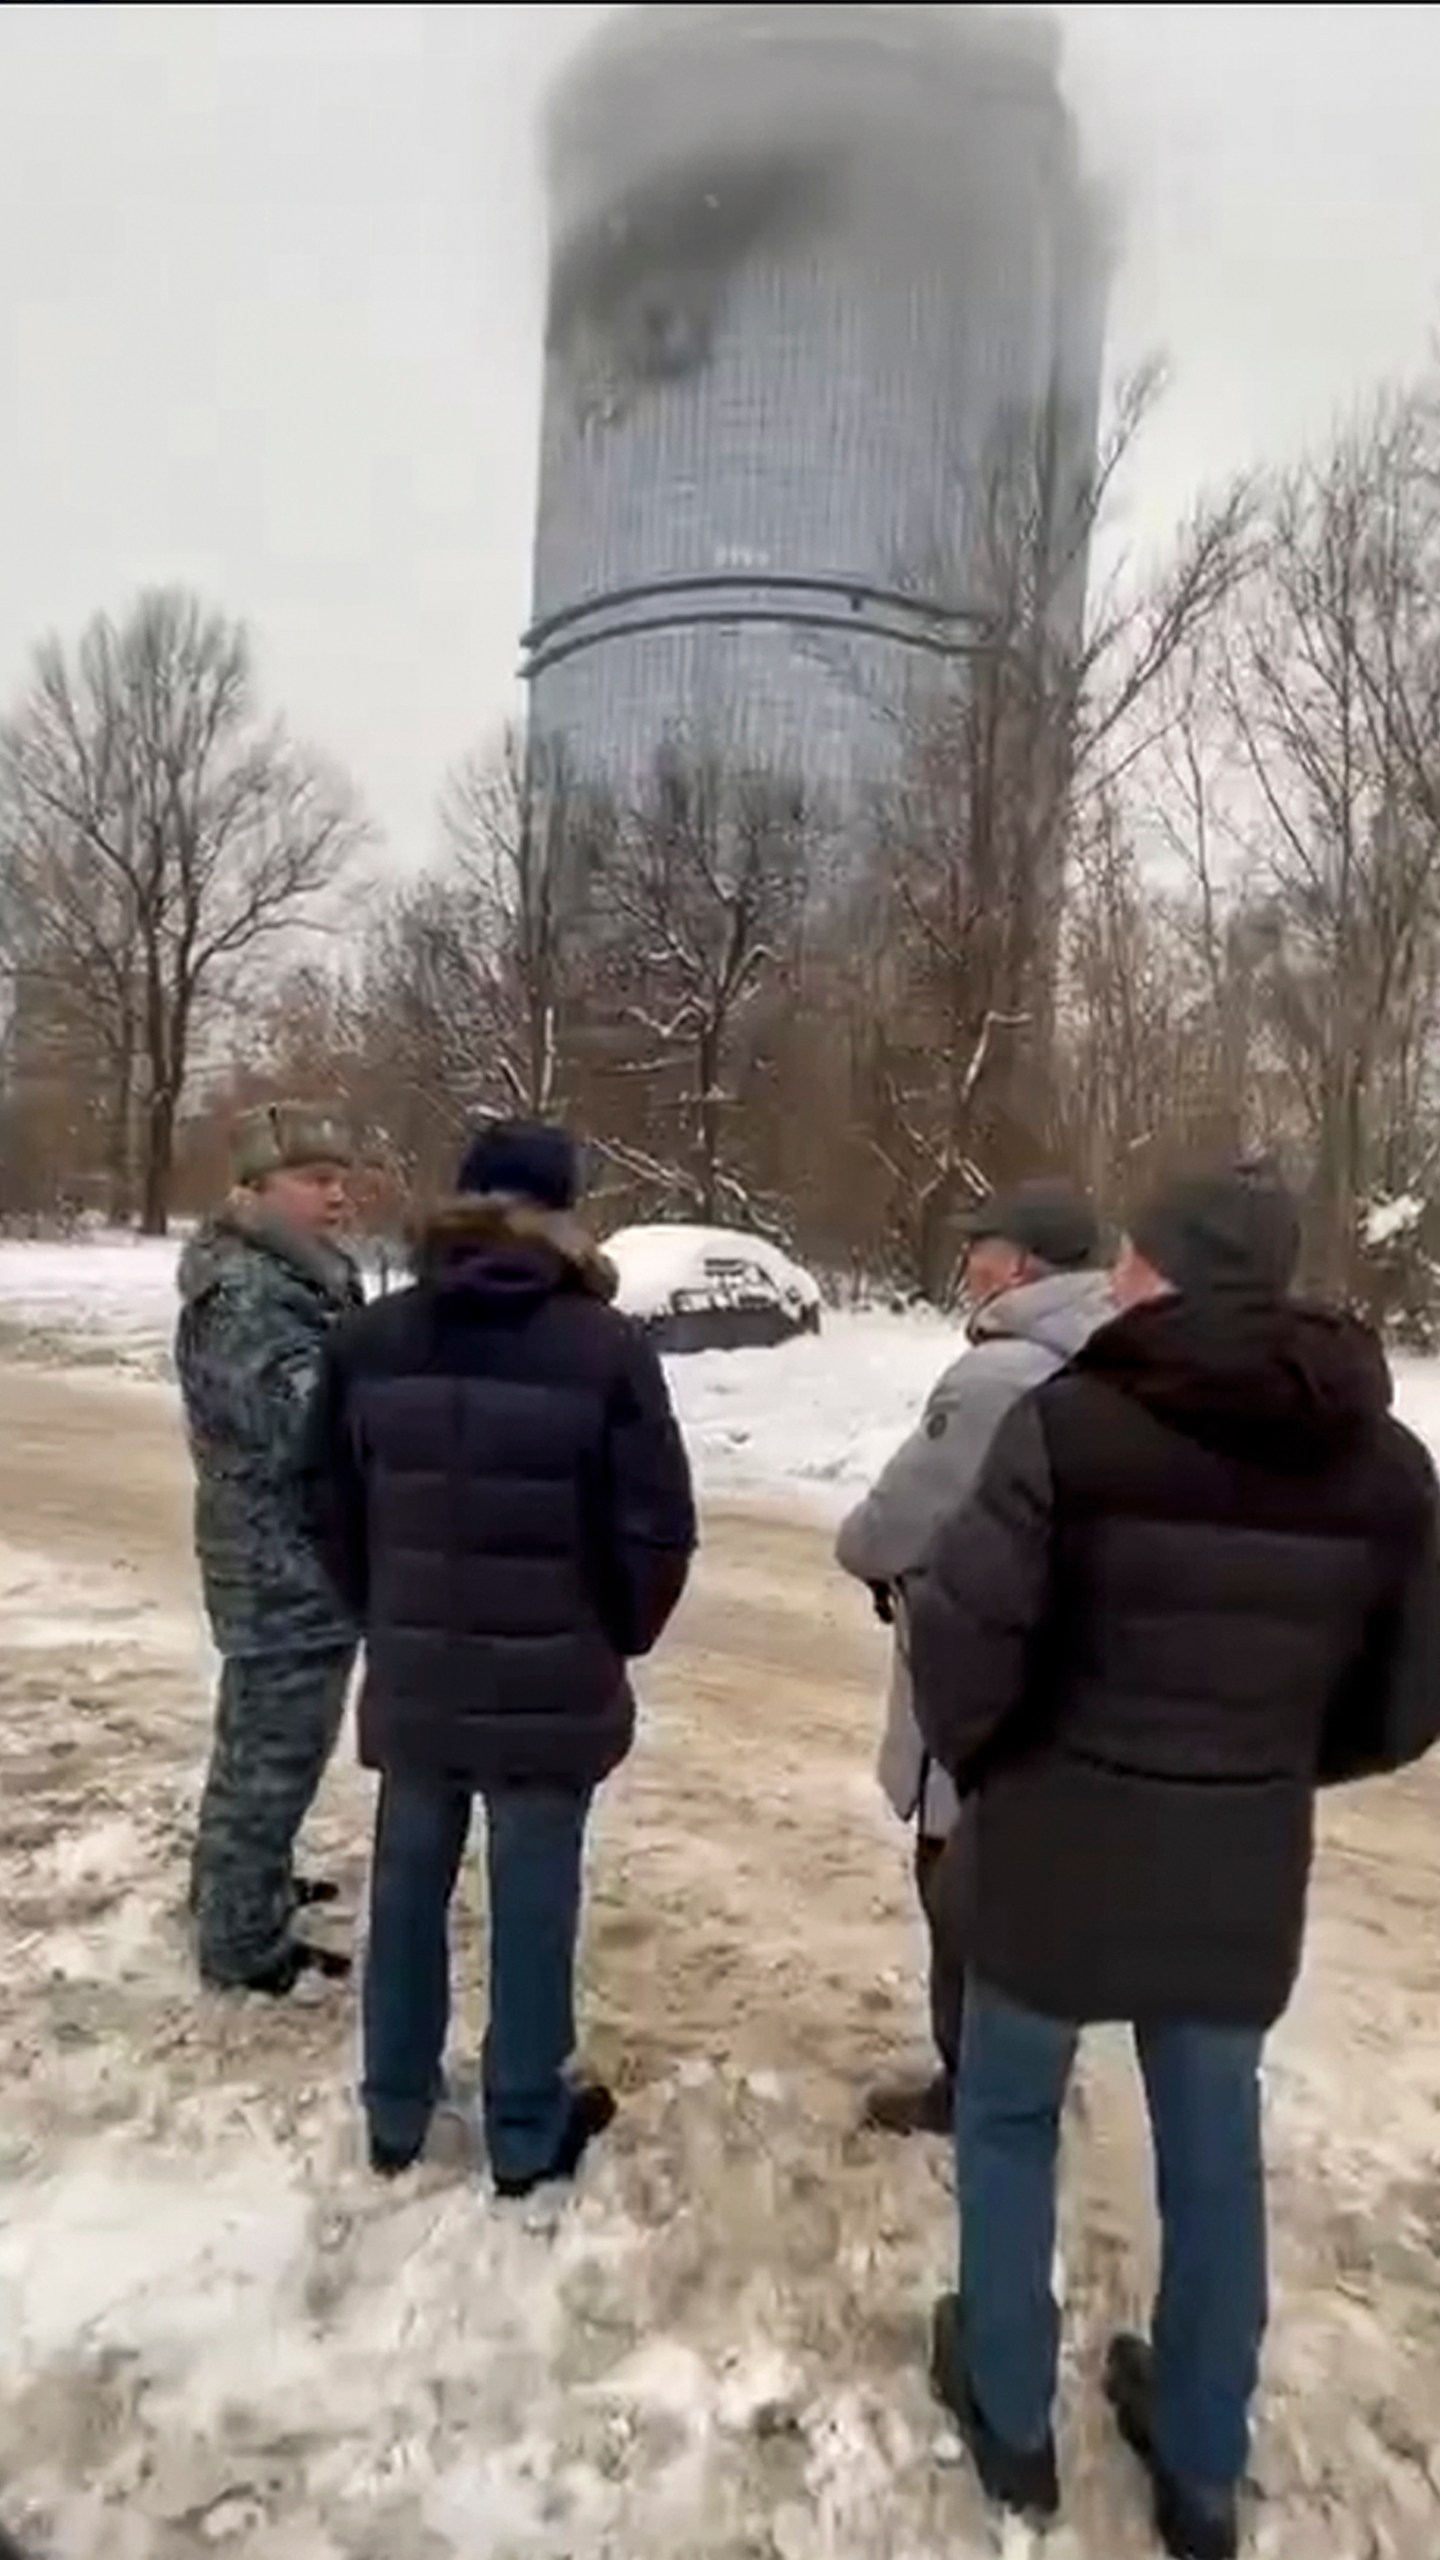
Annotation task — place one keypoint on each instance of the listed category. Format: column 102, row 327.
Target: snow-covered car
column 712, row 1288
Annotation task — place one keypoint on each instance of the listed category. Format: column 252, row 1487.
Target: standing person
column 1034, row 1298
column 1198, row 1580
column 503, row 1499
column 261, row 1286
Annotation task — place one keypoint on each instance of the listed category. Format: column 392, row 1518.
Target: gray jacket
column 257, row 1305
column 1016, row 1343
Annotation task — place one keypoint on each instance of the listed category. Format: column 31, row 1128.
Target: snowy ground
column 216, row 2334
column 811, row 1422
column 815, row 1418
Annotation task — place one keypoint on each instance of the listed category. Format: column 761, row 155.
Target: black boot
column 1193, row 2522
column 390, row 2159
column 915, row 2106
column 1022, row 2483
column 278, row 1979
column 592, row 2108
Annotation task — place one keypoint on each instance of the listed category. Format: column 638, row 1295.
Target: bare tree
column 427, row 1022
column 942, row 1006
column 524, row 842
column 1008, row 762
column 162, row 845
column 1330, row 685
column 703, row 897
column 75, row 982
column 1123, row 1012
column 1152, row 988
column 1188, row 797
column 470, row 976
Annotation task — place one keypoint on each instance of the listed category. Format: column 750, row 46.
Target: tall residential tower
column 811, row 267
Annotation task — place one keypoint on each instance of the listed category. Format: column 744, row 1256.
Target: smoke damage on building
column 811, row 267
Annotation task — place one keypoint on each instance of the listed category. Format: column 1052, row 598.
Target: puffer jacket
column 1017, row 1341
column 1199, row 1579
column 502, row 1497
column 258, row 1301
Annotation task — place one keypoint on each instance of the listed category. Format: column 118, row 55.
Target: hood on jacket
column 1059, row 1312
column 488, row 1246
column 1271, row 1384
column 243, row 1227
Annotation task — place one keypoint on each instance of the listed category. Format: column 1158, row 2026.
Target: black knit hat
column 1233, row 1234
column 1049, row 1220
column 523, row 1160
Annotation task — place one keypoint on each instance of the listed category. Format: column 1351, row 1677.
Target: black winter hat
column 1233, row 1234
column 1049, row 1220
column 523, row 1160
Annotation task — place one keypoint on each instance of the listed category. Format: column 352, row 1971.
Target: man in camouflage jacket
column 261, row 1286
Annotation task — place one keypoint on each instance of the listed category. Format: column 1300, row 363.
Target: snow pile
column 663, row 1266
column 112, row 1296
column 228, row 2338
column 1386, row 1221
column 262, row 2354
column 814, row 1420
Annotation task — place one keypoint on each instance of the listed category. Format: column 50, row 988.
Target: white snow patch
column 814, row 1419
column 118, row 1291
column 118, row 1946
column 48, row 1606
column 266, row 2317
column 1386, row 1220
column 665, row 2376
column 163, row 2263
column 106, row 1851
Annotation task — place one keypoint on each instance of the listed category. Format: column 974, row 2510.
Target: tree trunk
column 935, row 1240
column 707, row 1127
column 120, row 1148
column 159, row 1166
column 1333, row 1241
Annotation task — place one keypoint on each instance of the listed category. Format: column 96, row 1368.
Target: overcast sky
column 270, row 291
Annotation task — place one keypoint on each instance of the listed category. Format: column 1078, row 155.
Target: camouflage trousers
column 276, row 1723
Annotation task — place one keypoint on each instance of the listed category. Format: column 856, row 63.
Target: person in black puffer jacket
column 501, row 1496
column 1199, row 1579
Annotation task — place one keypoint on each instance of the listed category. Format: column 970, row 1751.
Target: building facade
column 816, row 271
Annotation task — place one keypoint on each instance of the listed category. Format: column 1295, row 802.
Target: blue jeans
column 1202, row 2087
column 536, row 1843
